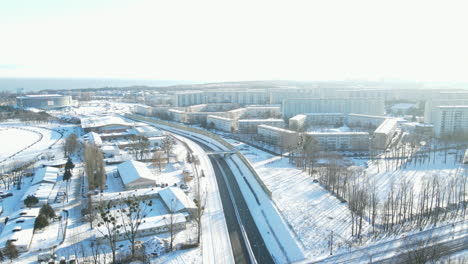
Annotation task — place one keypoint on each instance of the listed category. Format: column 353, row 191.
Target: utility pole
column 331, row 243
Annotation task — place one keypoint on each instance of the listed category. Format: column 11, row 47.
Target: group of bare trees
column 122, row 220
column 405, row 206
column 94, row 167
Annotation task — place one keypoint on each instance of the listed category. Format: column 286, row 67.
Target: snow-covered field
column 311, row 211
column 13, row 140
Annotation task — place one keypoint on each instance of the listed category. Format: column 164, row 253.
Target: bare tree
column 71, row 144
column 94, row 167
column 167, row 146
column 159, row 159
column 421, row 251
column 109, row 226
column 132, row 213
column 140, row 147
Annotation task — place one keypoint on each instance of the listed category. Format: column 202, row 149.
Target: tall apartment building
column 431, row 108
column 242, row 97
column 187, row 98
column 292, row 107
column 451, row 120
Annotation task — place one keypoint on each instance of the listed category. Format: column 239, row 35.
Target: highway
column 246, row 241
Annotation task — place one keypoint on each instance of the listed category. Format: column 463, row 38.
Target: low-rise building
column 135, row 174
column 177, row 201
column 298, row 122
column 222, row 123
column 284, row 138
column 149, row 227
column 341, row 141
column 383, row 135
column 360, row 120
column 249, row 126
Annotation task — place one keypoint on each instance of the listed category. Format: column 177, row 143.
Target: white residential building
column 292, row 107
column 298, row 122
column 431, row 109
column 278, row 136
column 384, row 133
column 187, row 98
column 342, row 140
column 222, row 123
column 364, row 120
column 451, row 121
column 249, row 126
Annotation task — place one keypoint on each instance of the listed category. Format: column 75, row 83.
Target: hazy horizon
column 242, row 40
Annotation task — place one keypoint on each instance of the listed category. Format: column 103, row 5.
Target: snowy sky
column 235, row 40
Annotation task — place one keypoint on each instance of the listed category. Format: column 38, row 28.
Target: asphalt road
column 240, row 247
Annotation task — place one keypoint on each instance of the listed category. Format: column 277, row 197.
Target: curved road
column 236, row 229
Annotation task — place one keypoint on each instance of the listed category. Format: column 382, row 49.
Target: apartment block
column 278, row 136
column 222, row 123
column 341, row 141
column 451, row 121
column 249, row 126
column 292, row 107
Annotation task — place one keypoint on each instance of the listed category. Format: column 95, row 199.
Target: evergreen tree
column 47, row 211
column 10, row 250
column 69, row 165
column 41, row 222
column 67, row 175
column 30, row 201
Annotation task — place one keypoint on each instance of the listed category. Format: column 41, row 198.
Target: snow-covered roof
column 278, row 129
column 220, row 118
column 21, row 239
column 176, row 200
column 40, row 191
column 46, row 175
column 148, row 131
column 261, row 120
column 93, row 138
column 387, row 126
column 132, row 170
column 337, row 133
column 39, row 96
column 110, row 149
column 99, row 121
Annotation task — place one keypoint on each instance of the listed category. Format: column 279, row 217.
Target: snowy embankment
column 311, row 211
column 275, row 232
column 215, row 243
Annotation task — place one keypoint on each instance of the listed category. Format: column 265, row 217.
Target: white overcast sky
column 235, row 40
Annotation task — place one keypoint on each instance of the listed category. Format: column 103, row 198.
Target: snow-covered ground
column 277, row 235
column 9, row 140
column 310, row 210
column 314, row 213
